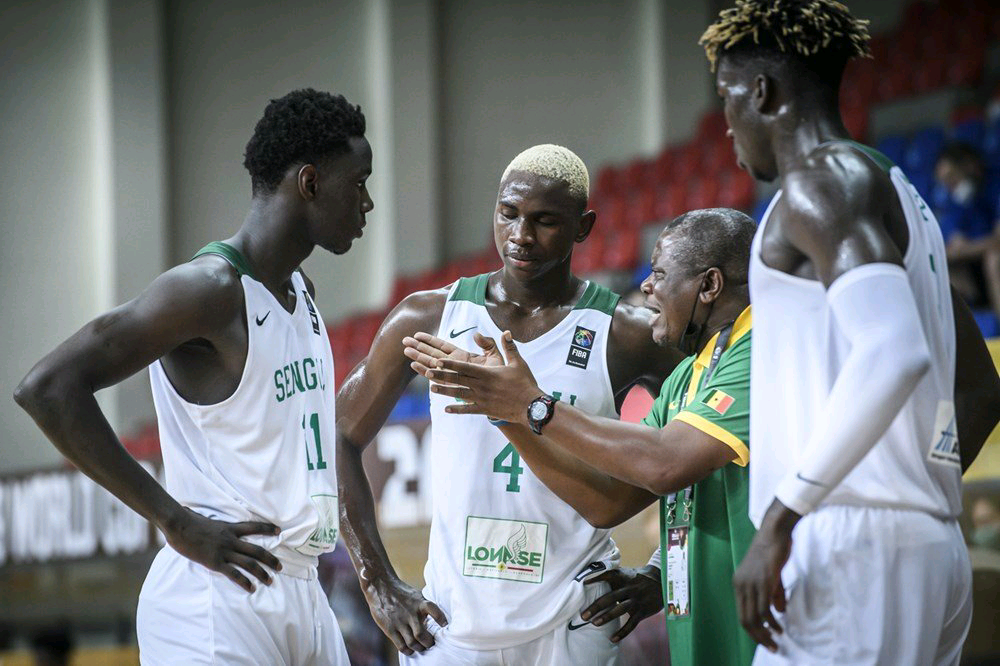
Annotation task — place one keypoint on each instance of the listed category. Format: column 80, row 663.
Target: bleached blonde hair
column 555, row 162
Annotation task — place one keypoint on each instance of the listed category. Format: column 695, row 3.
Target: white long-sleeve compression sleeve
column 874, row 307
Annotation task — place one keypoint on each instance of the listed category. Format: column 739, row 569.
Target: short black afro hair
column 304, row 126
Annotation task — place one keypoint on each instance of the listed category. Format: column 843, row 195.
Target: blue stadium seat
column 991, row 145
column 970, row 131
column 893, row 147
column 988, row 323
column 759, row 209
column 923, row 149
column 923, row 179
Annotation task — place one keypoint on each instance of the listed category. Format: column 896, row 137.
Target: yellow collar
column 741, row 327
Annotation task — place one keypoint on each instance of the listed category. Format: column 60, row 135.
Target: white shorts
column 188, row 614
column 874, row 586
column 584, row 645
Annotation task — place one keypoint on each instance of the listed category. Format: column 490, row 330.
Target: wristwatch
column 540, row 412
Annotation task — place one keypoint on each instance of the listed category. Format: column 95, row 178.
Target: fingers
column 418, row 357
column 510, row 349
column 422, row 638
column 464, row 408
column 488, row 345
column 432, row 609
column 402, row 638
column 415, row 346
column 258, row 553
column 233, row 574
column 778, row 598
column 614, row 612
column 633, row 622
column 453, row 391
column 435, row 342
column 254, row 527
column 249, row 565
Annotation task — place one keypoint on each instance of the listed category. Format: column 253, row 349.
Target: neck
column 723, row 314
column 800, row 130
column 553, row 288
column 273, row 240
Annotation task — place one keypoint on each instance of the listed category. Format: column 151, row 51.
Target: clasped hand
column 483, row 383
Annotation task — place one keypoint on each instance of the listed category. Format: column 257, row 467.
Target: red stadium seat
column 704, row 192
column 621, row 250
column 640, row 207
column 608, row 180
column 737, row 190
column 670, row 200
column 587, row 256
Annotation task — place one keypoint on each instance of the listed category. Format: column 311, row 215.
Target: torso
column 504, row 549
column 266, row 449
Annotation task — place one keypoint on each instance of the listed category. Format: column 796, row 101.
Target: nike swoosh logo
column 454, row 335
column 574, row 627
column 260, row 320
column 809, row 481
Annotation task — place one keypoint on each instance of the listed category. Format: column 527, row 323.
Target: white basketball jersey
column 267, row 451
column 504, row 549
column 797, row 354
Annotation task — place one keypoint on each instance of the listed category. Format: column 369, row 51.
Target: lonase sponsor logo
column 511, row 555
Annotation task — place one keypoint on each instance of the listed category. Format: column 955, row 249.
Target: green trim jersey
column 705, row 628
column 504, row 549
column 267, row 451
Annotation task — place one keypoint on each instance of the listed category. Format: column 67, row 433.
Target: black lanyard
column 720, row 346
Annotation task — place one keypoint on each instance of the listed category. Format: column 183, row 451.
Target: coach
column 691, row 451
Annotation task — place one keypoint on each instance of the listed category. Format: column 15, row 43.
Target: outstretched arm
column 601, row 499
column 201, row 299
column 660, row 461
column 363, row 405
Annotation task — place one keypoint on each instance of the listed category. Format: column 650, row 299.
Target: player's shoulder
column 631, row 326
column 420, row 311
column 210, row 279
column 206, row 288
column 837, row 178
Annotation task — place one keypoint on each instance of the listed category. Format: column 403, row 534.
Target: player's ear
column 712, row 285
column 762, row 93
column 586, row 225
column 306, row 180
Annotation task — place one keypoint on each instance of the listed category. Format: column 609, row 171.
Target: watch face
column 539, row 410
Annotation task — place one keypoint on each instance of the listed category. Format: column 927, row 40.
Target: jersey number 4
column 314, row 426
column 513, row 470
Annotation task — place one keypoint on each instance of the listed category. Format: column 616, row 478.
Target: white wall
column 50, row 176
column 518, row 73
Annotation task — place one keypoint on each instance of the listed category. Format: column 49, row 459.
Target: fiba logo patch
column 580, row 347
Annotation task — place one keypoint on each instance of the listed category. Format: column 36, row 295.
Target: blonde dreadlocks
column 809, row 29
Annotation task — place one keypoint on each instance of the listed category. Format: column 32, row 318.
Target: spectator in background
column 986, row 523
column 968, row 216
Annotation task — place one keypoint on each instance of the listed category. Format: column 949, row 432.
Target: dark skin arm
column 363, row 405
column 659, row 461
column 192, row 311
column 839, row 211
column 601, row 499
column 977, row 385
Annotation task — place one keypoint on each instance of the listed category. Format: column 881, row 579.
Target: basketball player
column 866, row 372
column 691, row 450
column 507, row 557
column 242, row 374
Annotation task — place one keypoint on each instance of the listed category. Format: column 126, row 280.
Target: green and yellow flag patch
column 720, row 401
